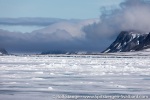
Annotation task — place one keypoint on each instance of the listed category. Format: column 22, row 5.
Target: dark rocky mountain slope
column 129, row 41
column 3, row 51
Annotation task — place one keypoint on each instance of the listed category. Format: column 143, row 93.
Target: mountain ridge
column 128, row 41
column 3, row 51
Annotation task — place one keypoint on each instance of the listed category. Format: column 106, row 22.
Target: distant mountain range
column 67, row 52
column 129, row 41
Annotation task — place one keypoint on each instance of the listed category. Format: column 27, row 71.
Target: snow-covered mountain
column 3, row 51
column 130, row 41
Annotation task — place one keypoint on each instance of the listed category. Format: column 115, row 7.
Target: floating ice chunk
column 9, row 83
column 51, row 73
column 95, row 66
column 90, row 82
column 125, row 74
column 37, row 78
column 38, row 72
column 103, row 73
column 120, row 86
column 111, row 82
column 43, row 64
column 111, row 73
column 50, row 88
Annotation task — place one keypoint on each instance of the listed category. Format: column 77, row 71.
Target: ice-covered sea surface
column 74, row 77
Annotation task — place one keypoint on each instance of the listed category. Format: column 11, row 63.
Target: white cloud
column 74, row 28
column 131, row 15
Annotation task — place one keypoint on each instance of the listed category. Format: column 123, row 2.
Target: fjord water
column 49, row 77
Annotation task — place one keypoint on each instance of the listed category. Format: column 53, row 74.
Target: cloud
column 25, row 21
column 66, row 35
column 130, row 15
column 82, row 35
column 34, row 42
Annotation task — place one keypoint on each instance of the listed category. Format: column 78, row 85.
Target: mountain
column 3, row 51
column 54, row 52
column 129, row 41
column 57, row 52
column 64, row 52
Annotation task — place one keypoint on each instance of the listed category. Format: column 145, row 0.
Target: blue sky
column 67, row 9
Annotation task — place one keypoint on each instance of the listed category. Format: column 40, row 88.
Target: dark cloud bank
column 131, row 15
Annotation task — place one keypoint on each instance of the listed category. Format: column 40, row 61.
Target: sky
column 69, row 25
column 65, row 9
